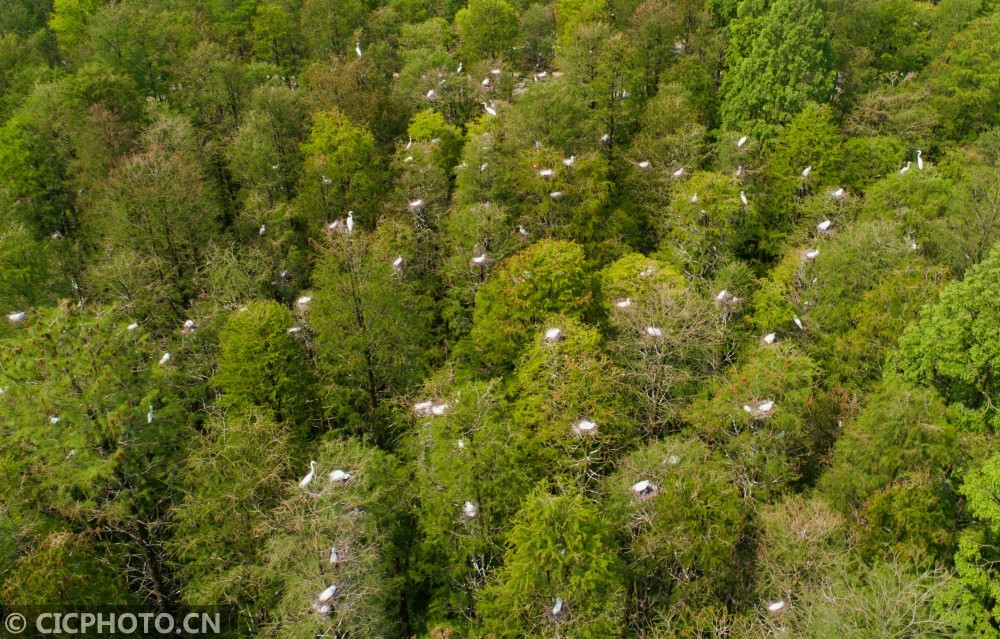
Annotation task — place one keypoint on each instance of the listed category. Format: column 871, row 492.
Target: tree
column 487, row 29
column 560, row 550
column 776, row 65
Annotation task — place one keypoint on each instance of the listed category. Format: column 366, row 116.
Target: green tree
column 487, row 29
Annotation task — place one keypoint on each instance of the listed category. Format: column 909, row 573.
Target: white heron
column 350, row 222
column 409, row 143
column 423, row 408
column 340, row 477
column 798, row 323
column 398, row 264
column 569, row 161
column 766, row 407
column 679, row 172
column 905, row 168
column 483, row 167
column 440, row 409
column 308, row 478
column 263, row 228
column 605, row 138
column 485, row 82
column 920, row 160
column 334, row 225
column 741, row 142
column 522, row 231
column 770, row 337
column 775, row 606
column 189, row 326
column 739, row 171
column 460, row 443
column 327, row 594
column 149, row 415
column 553, row 334
column 838, row 194
column 643, row 488
column 57, row 236
column 723, row 296
column 54, row 420
column 327, row 181
column 585, row 427
column 811, row 255
column 334, row 555
column 743, row 198
column 164, row 359
column 489, row 109
column 643, row 165
column 408, row 158
column 357, row 49
column 294, row 329
column 496, row 72
column 17, row 317
column 133, row 326
column 480, row 260
column 461, row 65
column 416, row 205
column 557, row 607
column 303, row 302
column 824, row 226
column 694, row 198
column 654, row 331
column 431, row 95
column 625, row 303
column 806, row 171
column 546, row 173
column 469, row 510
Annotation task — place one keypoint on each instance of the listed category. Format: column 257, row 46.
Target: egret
column 149, row 415
column 294, row 329
column 461, row 65
column 327, row 181
column 775, row 606
column 440, row 409
column 334, row 555
column 485, row 82
column 739, row 170
column 904, row 169
column 188, row 327
column 643, row 165
column 723, row 296
column 303, row 302
column 409, row 143
column 133, row 326
column 469, row 510
column 605, row 138
column 766, row 407
column 357, row 49
column 694, row 198
column 585, row 427
column 647, row 272
column 625, row 303
column 350, row 222
column 824, row 226
column 408, row 158
column 398, row 264
column 496, row 72
column 57, row 236
column 654, row 331
column 327, row 594
column 431, row 95
column 553, row 334
column 423, row 408
column 484, row 166
column 339, row 477
column 489, row 109
column 811, row 255
column 54, row 420
column 164, row 359
column 461, row 444
column 741, row 142
column 546, row 173
column 569, row 161
column 416, row 205
column 263, row 228
column 334, row 225
column 17, row 317
column 806, row 171
column 798, row 323
column 679, row 172
column 913, row 245
column 769, row 338
column 557, row 608
column 522, row 231
column 308, row 478
column 323, row 609
column 479, row 260
column 643, row 489
column 836, row 195
column 920, row 160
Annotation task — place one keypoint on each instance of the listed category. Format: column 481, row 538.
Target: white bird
column 743, row 198
column 461, row 65
column 605, row 138
column 824, row 225
column 431, row 95
column 654, row 331
column 263, row 227
column 839, row 193
column 722, row 296
column 739, row 170
column 327, row 181
column 408, row 158
column 334, row 555
column 17, row 317
column 57, row 236
column 585, row 426
column 54, row 420
column 555, row 195
column 625, row 303
column 557, row 608
column 569, row 161
column 440, row 409
column 303, row 301
column 766, row 407
column 806, row 171
column 811, row 255
column 522, row 231
column 339, row 477
column 423, row 408
column 397, row 264
column 133, row 326
column 294, row 329
column 904, row 169
column 485, row 82
column 461, row 444
column 769, row 338
column 416, row 205
column 546, row 173
column 409, row 143
column 479, row 260
column 357, row 49
column 484, row 166
column 679, row 172
column 694, row 198
column 334, row 225
column 775, row 606
column 327, row 594
column 642, row 488
column 489, row 109
column 553, row 334
column 496, row 72
column 164, row 359
column 149, row 415
column 350, row 222
column 308, row 478
column 741, row 142
column 189, row 325
column 798, row 322
column 643, row 165
column 920, row 160
column 469, row 510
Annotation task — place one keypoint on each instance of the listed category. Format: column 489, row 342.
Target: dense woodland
column 597, row 318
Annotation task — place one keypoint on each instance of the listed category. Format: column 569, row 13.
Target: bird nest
column 644, row 490
column 585, row 428
column 760, row 408
column 557, row 611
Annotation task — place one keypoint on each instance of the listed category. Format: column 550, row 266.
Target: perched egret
column 723, row 296
column 485, row 82
column 838, row 194
column 776, row 606
column 334, row 555
column 489, row 109
column 585, row 427
column 334, row 225
column 496, row 72
column 409, row 143
column 431, row 95
column 440, row 409
column 263, row 228
column 350, row 222
column 557, row 608
column 294, row 329
column 522, row 231
column 54, row 420
column 741, row 142
column 423, row 408
column 643, row 165
column 824, row 226
column 766, row 407
column 56, row 236
column 303, row 302
column 398, row 264
column 149, row 415
column 484, row 166
column 798, row 323
column 679, row 172
column 769, row 338
column 905, row 168
column 694, row 198
column 327, row 594
column 811, row 255
column 480, row 260
column 164, row 359
column 625, row 303
column 605, row 138
column 553, row 334
column 357, row 49
column 327, row 181
column 461, row 65
column 739, row 171
column 133, row 326
column 643, row 489
column 460, row 443
column 416, row 205
column 408, row 158
column 17, row 317
column 308, row 478
column 654, row 331
column 569, row 161
column 806, row 171
column 646, row 272
column 546, row 173
column 469, row 510
column 743, row 198
column 920, row 160
column 339, row 477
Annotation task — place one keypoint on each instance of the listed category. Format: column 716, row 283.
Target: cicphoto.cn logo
column 115, row 622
